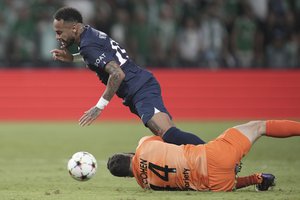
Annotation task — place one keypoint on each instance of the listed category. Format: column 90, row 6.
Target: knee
column 159, row 131
column 160, row 123
column 158, row 128
column 253, row 129
column 258, row 125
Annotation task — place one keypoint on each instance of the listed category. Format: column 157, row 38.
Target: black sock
column 175, row 136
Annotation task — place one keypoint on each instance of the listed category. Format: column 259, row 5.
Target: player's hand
column 89, row 116
column 62, row 55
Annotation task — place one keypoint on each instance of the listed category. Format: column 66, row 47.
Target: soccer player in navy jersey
column 137, row 87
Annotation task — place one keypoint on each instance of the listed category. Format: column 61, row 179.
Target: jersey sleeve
column 96, row 56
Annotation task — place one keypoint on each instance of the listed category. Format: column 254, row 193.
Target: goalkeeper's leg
column 271, row 128
column 262, row 181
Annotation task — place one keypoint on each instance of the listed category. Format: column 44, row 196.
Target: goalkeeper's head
column 120, row 164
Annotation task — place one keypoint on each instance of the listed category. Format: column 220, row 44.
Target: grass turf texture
column 33, row 159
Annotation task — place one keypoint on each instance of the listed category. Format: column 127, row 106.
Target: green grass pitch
column 33, row 160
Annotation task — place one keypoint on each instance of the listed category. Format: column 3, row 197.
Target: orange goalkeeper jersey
column 162, row 166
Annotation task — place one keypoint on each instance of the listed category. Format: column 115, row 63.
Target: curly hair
column 68, row 14
column 119, row 164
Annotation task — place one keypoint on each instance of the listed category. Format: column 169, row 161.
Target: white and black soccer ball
column 82, row 166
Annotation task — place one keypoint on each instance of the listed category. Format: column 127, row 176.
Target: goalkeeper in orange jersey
column 205, row 167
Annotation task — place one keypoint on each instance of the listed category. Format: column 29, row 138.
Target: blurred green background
column 210, row 34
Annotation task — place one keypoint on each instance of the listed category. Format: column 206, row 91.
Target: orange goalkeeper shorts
column 223, row 154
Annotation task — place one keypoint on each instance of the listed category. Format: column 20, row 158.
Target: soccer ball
column 82, row 166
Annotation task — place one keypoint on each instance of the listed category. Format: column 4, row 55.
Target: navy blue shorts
column 146, row 100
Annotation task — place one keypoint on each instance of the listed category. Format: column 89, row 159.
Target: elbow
column 118, row 76
column 122, row 75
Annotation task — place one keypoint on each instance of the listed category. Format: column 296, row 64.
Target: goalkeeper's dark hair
column 119, row 164
column 68, row 14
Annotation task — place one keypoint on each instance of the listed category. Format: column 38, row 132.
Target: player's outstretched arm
column 116, row 76
column 89, row 116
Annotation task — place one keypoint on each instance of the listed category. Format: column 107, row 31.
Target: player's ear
column 74, row 29
column 130, row 171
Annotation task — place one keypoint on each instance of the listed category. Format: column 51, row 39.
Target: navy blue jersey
column 97, row 49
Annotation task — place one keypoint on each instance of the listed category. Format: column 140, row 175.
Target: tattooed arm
column 116, row 76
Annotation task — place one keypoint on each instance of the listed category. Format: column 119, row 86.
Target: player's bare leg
column 160, row 123
column 252, row 130
column 271, row 128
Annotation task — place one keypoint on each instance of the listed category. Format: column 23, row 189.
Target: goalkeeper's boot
column 268, row 180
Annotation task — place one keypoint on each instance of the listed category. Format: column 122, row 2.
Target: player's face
column 65, row 32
